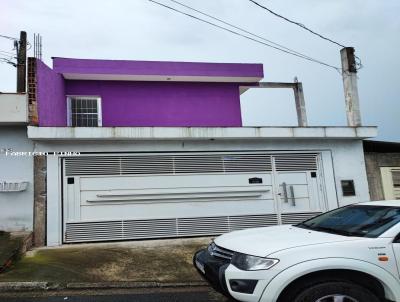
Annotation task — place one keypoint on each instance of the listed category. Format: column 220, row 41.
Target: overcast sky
column 141, row 30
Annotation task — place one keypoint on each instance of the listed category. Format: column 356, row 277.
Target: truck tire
column 342, row 291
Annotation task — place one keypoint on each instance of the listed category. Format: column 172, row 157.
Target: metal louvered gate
column 136, row 196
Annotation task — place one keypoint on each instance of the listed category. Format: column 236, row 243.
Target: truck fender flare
column 275, row 287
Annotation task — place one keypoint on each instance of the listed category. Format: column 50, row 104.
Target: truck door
column 396, row 248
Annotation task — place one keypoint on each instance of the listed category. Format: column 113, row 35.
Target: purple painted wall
column 214, row 103
column 163, row 104
column 50, row 94
column 123, row 67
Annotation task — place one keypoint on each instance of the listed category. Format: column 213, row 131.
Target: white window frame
column 99, row 111
column 389, row 191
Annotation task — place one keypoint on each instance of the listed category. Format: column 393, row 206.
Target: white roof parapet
column 199, row 133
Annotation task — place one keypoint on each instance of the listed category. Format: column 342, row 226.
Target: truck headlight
column 252, row 263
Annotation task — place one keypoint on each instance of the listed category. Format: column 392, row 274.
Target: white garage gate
column 136, row 196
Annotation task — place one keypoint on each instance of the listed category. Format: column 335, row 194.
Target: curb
column 23, row 286
column 48, row 286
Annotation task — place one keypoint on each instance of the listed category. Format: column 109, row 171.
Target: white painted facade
column 193, row 133
column 14, row 108
column 341, row 157
column 16, row 169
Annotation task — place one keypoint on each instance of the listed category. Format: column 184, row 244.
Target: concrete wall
column 16, row 208
column 14, row 108
column 374, row 161
column 50, row 94
column 163, row 104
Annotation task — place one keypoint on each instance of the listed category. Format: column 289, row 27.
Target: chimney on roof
column 349, row 74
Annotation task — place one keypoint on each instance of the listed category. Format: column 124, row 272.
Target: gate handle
column 285, row 193
column 292, row 196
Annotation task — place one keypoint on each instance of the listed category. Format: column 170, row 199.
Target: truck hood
column 265, row 241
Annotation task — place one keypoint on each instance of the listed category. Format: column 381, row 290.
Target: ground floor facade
column 119, row 190
column 16, row 179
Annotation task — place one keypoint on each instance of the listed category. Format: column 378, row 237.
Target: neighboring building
column 382, row 161
column 16, row 165
column 163, row 153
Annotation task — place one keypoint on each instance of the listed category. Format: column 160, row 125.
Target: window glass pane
column 396, row 178
column 84, row 112
column 356, row 220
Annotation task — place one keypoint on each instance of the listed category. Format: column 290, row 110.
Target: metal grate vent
column 167, row 164
column 93, row 165
column 94, row 231
column 293, row 218
column 162, row 228
column 137, row 165
column 188, row 164
column 246, row 222
column 203, row 226
column 149, row 228
column 296, row 162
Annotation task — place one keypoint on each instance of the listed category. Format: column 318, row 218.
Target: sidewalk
column 126, row 264
column 12, row 245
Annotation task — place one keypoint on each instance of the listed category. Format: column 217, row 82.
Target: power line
column 358, row 62
column 296, row 23
column 7, row 52
column 239, row 28
column 8, row 61
column 8, row 37
column 247, row 37
column 16, row 40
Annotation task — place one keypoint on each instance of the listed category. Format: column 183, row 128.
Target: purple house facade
column 146, row 94
column 141, row 149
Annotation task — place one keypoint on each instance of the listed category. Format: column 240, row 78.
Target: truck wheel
column 336, row 291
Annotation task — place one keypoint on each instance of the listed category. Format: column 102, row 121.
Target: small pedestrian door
column 299, row 186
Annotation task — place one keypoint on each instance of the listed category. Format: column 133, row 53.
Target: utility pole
column 300, row 103
column 349, row 74
column 21, row 62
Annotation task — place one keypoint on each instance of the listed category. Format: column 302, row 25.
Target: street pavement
column 160, row 295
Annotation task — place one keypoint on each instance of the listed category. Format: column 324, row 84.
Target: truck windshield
column 355, row 220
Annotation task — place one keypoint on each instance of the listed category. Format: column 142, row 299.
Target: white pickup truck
column 350, row 254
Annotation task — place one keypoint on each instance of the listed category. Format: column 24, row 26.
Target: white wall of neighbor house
column 343, row 159
column 16, row 208
column 14, row 108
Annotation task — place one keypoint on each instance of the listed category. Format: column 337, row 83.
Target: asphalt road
column 166, row 295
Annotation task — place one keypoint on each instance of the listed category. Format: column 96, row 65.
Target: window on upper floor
column 84, row 111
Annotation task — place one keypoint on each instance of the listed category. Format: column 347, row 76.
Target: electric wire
column 296, row 23
column 29, row 45
column 7, row 52
column 239, row 28
column 8, row 37
column 247, row 37
column 8, row 61
column 358, row 63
